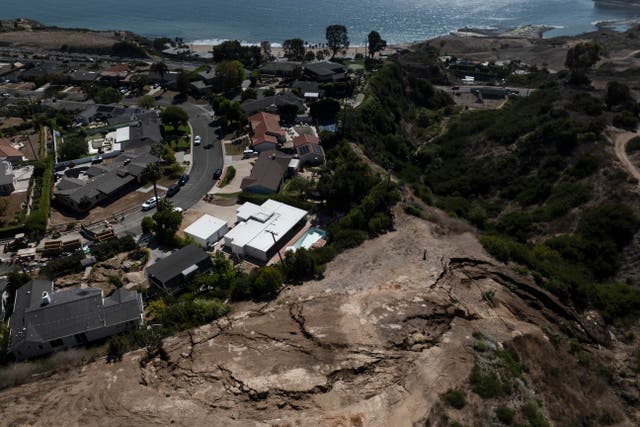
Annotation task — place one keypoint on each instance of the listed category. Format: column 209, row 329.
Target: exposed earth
column 375, row 343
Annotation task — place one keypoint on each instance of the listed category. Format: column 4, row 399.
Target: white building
column 262, row 230
column 207, row 230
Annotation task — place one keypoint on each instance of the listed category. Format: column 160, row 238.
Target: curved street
column 204, row 162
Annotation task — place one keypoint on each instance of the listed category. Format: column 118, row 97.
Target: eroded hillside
column 377, row 342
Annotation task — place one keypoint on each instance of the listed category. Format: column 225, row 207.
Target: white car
column 150, row 204
column 178, row 209
column 197, row 140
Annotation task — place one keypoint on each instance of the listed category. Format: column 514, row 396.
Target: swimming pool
column 309, row 238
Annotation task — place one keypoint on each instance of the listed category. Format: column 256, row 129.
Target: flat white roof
column 122, row 134
column 205, row 227
column 256, row 233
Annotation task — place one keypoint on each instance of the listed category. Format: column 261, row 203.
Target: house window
column 56, row 343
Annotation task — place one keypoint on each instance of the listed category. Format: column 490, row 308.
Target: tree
column 376, row 43
column 294, row 49
column 229, row 75
column 580, row 58
column 320, row 55
column 147, row 102
column 267, row 282
column 617, row 94
column 337, row 38
column 309, row 56
column 228, row 112
column 325, row 110
column 266, row 50
column 160, row 68
column 166, row 222
column 139, row 81
column 107, row 95
column 160, row 43
column 183, row 83
column 152, row 173
column 232, row 50
column 249, row 94
column 174, row 116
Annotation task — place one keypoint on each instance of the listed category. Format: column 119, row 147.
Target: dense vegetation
column 517, row 173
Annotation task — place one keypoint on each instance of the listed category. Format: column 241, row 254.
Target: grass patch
column 234, row 149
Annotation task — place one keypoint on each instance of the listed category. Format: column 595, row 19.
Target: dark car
column 171, row 191
column 217, row 174
column 183, row 179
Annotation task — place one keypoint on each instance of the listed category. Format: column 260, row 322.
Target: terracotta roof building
column 266, row 131
column 8, row 152
column 309, row 149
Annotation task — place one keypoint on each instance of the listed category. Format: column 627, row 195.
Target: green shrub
column 532, row 413
column 110, row 248
column 487, row 385
column 633, row 145
column 147, row 224
column 505, row 414
column 479, row 346
column 455, row 398
column 228, row 177
column 413, row 210
column 115, row 281
column 511, row 362
column 626, row 120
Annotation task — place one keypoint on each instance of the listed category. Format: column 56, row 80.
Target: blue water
column 277, row 20
column 311, row 236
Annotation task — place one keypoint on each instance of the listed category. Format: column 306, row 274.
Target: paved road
column 204, row 162
column 467, row 89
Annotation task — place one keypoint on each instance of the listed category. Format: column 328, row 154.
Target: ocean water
column 277, row 20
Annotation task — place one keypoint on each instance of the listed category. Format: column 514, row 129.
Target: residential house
column 102, row 184
column 7, row 178
column 9, row 153
column 170, row 273
column 79, row 77
column 273, row 104
column 268, row 173
column 46, row 319
column 266, row 133
column 287, row 69
column 205, row 81
column 115, row 74
column 325, row 72
column 263, row 230
column 309, row 150
column 310, row 91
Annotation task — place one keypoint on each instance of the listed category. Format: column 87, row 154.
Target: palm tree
column 161, row 68
column 152, row 173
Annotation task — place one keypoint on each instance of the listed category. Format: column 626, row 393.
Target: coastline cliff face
column 379, row 341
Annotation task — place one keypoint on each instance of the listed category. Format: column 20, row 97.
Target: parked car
column 150, row 204
column 249, row 153
column 96, row 160
column 217, row 174
column 172, row 190
column 178, row 209
column 183, row 179
column 197, row 140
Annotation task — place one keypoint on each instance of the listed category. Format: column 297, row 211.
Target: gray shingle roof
column 173, row 265
column 268, row 171
column 69, row 312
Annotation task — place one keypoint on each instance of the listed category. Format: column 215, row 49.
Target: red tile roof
column 266, row 128
column 118, row 70
column 305, row 139
column 7, row 150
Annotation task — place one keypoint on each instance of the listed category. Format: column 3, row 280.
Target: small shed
column 207, row 230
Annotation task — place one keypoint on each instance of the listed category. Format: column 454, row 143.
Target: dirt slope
column 375, row 343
